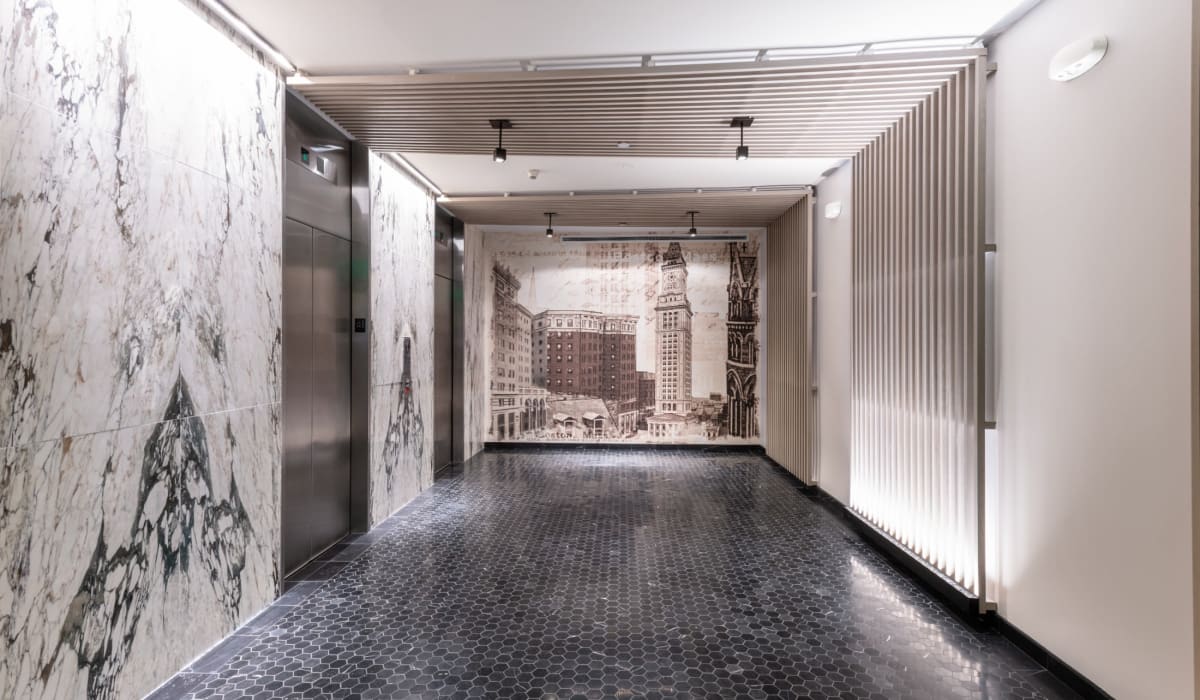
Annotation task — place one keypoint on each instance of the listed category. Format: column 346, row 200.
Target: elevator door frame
column 335, row 203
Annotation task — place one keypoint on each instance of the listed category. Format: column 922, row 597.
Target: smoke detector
column 533, row 173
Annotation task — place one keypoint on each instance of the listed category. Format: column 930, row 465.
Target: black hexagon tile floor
column 611, row 574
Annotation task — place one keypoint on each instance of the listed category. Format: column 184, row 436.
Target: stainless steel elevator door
column 443, row 369
column 316, row 392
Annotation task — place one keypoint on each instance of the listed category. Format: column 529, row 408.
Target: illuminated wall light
column 236, row 24
column 915, row 469
column 1077, row 58
column 417, row 174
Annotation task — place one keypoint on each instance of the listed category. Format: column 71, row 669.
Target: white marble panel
column 139, row 303
column 142, row 547
column 477, row 266
column 402, row 250
column 124, row 268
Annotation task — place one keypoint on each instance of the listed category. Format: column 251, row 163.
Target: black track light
column 692, row 230
column 500, row 155
column 743, row 151
column 550, row 224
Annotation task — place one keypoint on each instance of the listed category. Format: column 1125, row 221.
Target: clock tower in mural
column 673, row 383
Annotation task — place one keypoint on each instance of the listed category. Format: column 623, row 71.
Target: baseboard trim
column 1060, row 669
column 687, row 447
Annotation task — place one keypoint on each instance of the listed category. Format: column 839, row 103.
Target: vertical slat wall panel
column 916, row 351
column 790, row 405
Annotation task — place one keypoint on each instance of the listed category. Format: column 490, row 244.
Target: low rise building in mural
column 587, row 353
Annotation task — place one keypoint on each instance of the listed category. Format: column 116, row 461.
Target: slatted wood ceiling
column 826, row 107
column 716, row 209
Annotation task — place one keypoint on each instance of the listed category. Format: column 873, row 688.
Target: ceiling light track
column 755, row 189
column 686, row 58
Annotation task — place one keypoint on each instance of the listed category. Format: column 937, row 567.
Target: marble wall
column 477, row 319
column 402, row 249
column 140, row 214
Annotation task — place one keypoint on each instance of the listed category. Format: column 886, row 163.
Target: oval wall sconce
column 1077, row 58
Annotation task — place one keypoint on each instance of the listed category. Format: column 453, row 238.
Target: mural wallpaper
column 624, row 341
column 140, row 224
column 402, row 253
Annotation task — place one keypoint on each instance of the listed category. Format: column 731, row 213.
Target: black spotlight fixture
column 550, row 224
column 743, row 151
column 500, row 155
column 692, row 230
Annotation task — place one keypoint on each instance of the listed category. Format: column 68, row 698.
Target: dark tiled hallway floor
column 612, row 574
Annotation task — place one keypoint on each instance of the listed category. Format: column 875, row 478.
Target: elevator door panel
column 330, row 515
column 297, row 392
column 443, row 358
column 316, row 392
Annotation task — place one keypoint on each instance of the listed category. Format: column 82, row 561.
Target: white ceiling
column 477, row 174
column 386, row 36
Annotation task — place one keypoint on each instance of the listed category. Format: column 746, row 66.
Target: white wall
column 834, row 309
column 1092, row 224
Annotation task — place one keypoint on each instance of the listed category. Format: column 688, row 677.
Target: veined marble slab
column 140, row 219
column 402, row 253
column 477, row 271
column 122, row 266
column 124, row 554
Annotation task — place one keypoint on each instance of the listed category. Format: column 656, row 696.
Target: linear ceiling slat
column 822, row 107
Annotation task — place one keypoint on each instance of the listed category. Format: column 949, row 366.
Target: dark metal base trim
column 1060, row 669
column 689, row 447
column 962, row 601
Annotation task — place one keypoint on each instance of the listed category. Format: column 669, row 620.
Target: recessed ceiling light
column 624, row 144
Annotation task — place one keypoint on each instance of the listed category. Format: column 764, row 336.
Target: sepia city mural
column 624, row 341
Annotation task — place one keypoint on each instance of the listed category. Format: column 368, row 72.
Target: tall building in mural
column 673, row 350
column 741, row 365
column 512, row 365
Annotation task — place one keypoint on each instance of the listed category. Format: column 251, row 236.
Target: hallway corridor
column 610, row 573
